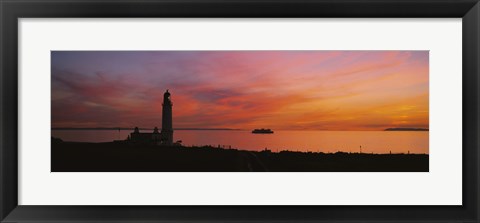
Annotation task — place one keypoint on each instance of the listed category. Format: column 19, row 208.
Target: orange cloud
column 328, row 90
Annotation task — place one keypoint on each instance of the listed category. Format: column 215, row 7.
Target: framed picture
column 239, row 111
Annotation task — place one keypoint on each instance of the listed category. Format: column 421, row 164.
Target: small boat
column 262, row 131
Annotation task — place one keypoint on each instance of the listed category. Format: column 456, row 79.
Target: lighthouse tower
column 167, row 129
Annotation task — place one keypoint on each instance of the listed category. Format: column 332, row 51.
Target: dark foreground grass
column 121, row 157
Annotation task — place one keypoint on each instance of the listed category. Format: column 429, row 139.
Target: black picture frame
column 12, row 10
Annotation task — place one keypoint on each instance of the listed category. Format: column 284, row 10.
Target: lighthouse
column 167, row 128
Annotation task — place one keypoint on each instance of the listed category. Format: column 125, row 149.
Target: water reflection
column 315, row 141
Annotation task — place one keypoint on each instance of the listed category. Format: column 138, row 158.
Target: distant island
column 124, row 128
column 406, row 129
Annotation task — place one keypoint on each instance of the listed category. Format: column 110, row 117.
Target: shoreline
column 228, row 147
column 123, row 157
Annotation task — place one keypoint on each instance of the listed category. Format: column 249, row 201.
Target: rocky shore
column 122, row 157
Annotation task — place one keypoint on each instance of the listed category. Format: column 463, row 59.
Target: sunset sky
column 282, row 90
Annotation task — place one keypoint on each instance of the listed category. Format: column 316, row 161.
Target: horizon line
column 239, row 129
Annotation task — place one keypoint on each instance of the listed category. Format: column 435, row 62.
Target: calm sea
column 315, row 141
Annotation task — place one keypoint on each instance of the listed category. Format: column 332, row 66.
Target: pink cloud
column 243, row 89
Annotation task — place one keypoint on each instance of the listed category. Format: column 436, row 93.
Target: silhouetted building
column 167, row 128
column 165, row 137
column 138, row 137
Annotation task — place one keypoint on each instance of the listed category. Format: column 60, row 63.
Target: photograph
column 240, row 111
